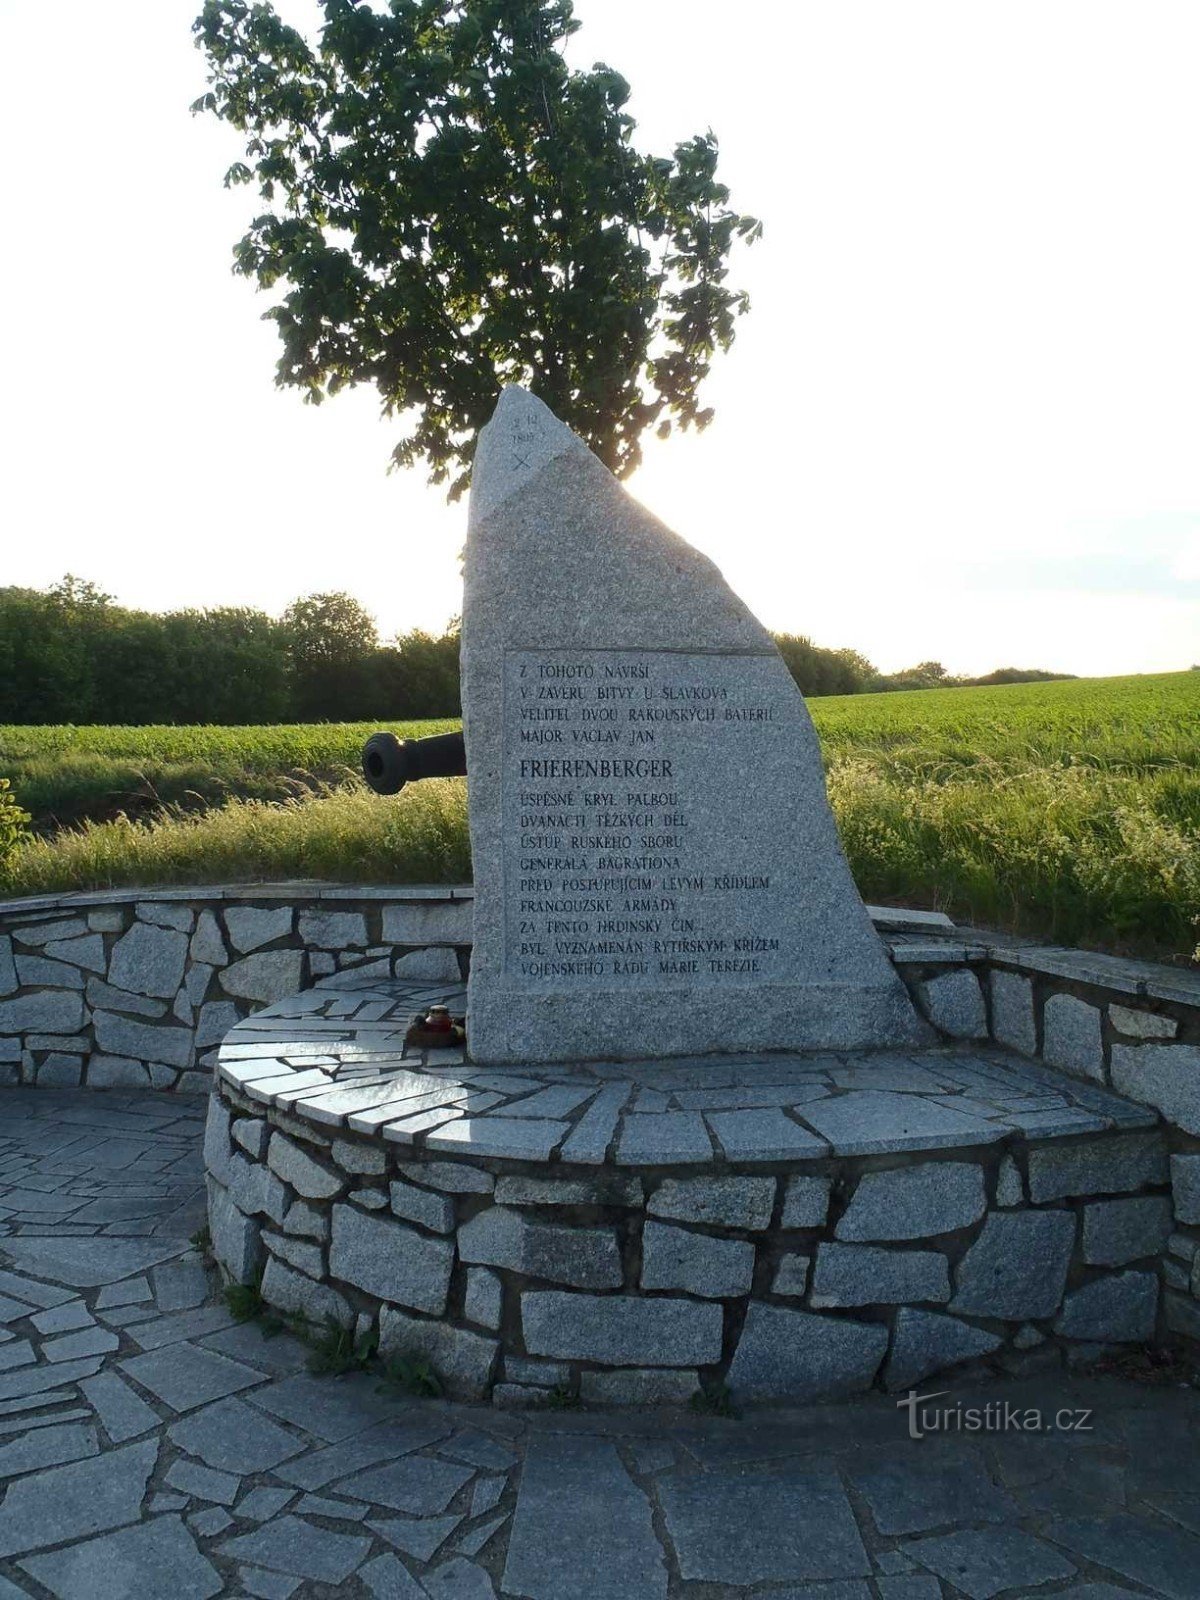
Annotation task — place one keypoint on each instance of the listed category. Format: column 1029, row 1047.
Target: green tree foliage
column 419, row 670
column 933, row 675
column 71, row 655
column 43, row 660
column 331, row 645
column 450, row 209
column 328, row 630
column 1017, row 675
column 821, row 671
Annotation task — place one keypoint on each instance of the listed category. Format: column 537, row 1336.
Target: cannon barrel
column 389, row 763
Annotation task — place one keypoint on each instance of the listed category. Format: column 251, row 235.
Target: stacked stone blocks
column 526, row 1283
column 135, row 990
column 1127, row 1026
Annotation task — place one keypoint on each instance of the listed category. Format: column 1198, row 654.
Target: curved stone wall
column 135, row 988
column 620, row 1281
column 1126, row 1025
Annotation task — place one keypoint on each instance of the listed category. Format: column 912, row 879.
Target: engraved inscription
column 619, row 870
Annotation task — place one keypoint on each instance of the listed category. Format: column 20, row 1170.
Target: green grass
column 345, row 834
column 1137, row 724
column 1069, row 810
column 244, row 1301
column 63, row 775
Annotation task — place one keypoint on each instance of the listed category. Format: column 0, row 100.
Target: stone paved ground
column 151, row 1447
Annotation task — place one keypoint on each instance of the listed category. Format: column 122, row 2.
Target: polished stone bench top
column 335, row 1056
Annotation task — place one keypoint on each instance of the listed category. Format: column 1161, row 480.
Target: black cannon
column 389, row 763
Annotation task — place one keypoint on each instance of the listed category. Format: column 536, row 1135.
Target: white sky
column 961, row 422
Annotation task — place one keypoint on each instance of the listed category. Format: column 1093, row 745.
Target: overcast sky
column 962, row 420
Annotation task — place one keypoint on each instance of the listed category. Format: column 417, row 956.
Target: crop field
column 63, row 775
column 1069, row 810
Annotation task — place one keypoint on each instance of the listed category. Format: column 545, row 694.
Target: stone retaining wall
column 137, row 988
column 129, row 988
column 804, row 1280
column 1131, row 1026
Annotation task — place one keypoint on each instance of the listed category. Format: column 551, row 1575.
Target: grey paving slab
column 233, row 1437
column 184, row 1377
column 12, row 1310
column 757, row 1527
column 125, row 1316
column 157, row 1560
column 17, row 1387
column 180, row 1325
column 10, row 1408
column 267, row 1585
column 189, row 1477
column 419, row 1537
column 29, row 1289
column 47, row 1447
column 908, row 1493
column 763, row 1135
column 87, row 1263
column 1061, row 1517
column 290, row 1544
column 581, row 1484
column 209, row 1522
column 131, row 1291
column 910, row 1586
column 872, row 1122
column 1166, row 1560
column 470, row 1544
column 480, row 1449
column 71, row 1502
column 279, row 1355
column 92, row 1341
column 65, row 1318
column 486, row 1495
column 459, row 1580
column 673, row 1138
column 1099, row 1591
column 263, row 1502
column 1089, row 1488
column 333, row 1409
column 385, row 1442
column 387, row 1579
column 320, row 1505
column 11, row 1426
column 846, row 1589
column 17, row 1353
column 416, row 1484
column 982, row 1562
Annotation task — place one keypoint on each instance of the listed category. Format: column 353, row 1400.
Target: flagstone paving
column 152, row 1447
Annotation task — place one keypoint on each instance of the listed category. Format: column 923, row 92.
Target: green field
column 1068, row 809
column 63, row 775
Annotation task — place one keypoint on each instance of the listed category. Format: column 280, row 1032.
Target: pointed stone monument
column 656, row 866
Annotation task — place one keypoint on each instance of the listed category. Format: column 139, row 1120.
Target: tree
column 418, row 676
column 228, row 665
column 44, row 669
column 818, row 670
column 79, row 595
column 453, row 209
column 327, row 630
column 331, row 640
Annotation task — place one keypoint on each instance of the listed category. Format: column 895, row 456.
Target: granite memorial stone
column 656, row 866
